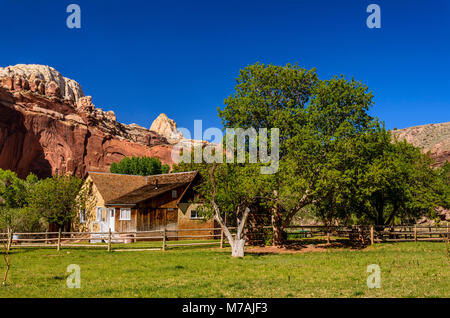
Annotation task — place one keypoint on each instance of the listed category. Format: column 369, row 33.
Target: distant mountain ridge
column 48, row 126
column 434, row 138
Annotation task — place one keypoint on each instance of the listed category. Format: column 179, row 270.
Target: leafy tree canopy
column 312, row 115
column 57, row 199
column 143, row 166
column 14, row 195
column 378, row 180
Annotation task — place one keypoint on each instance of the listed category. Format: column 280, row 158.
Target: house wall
column 154, row 214
column 94, row 200
column 185, row 222
column 126, row 226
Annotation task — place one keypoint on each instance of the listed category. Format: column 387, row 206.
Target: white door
column 112, row 219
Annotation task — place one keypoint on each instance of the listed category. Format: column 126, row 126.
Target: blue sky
column 141, row 58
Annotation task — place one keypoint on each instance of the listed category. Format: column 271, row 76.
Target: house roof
column 144, row 193
column 112, row 185
column 129, row 189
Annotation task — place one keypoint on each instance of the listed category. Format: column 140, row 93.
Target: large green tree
column 382, row 181
column 14, row 214
column 58, row 199
column 312, row 115
column 143, row 166
column 14, row 195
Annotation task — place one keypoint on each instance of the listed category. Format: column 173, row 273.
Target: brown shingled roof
column 156, row 185
column 130, row 189
column 112, row 185
column 144, row 193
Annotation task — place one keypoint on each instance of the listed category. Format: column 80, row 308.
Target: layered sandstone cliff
column 48, row 126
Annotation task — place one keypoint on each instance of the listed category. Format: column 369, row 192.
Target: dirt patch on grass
column 296, row 248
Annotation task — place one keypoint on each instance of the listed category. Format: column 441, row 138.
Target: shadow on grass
column 304, row 245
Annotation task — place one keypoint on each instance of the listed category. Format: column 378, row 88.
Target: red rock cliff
column 48, row 126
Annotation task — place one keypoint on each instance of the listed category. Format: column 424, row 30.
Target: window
column 174, row 194
column 83, row 216
column 194, row 215
column 125, row 214
column 99, row 214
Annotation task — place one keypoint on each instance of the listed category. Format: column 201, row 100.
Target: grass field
column 407, row 270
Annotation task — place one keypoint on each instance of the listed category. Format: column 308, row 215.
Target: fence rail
column 117, row 241
column 376, row 234
column 166, row 238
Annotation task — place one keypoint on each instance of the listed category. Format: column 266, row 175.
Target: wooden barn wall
column 185, row 221
column 163, row 212
column 126, row 226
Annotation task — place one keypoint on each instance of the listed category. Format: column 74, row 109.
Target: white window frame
column 99, row 212
column 195, row 217
column 82, row 216
column 125, row 214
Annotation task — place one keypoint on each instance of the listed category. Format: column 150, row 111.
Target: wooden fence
column 165, row 238
column 156, row 240
column 375, row 234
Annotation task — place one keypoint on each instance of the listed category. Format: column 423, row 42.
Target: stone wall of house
column 94, row 200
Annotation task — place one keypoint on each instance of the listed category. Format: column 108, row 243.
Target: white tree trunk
column 238, row 242
column 237, row 248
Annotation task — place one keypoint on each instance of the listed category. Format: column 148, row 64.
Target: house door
column 112, row 219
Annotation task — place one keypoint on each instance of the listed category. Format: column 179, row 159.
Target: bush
column 143, row 166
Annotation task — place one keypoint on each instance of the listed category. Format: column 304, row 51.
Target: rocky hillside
column 434, row 138
column 48, row 126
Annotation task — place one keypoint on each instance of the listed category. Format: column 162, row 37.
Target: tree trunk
column 6, row 257
column 277, row 227
column 277, row 224
column 237, row 248
column 237, row 243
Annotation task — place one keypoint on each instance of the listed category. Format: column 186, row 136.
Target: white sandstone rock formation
column 167, row 128
column 41, row 78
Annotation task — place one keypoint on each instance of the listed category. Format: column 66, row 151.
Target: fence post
column 371, row 236
column 59, row 240
column 9, row 238
column 164, row 239
column 221, row 237
column 328, row 237
column 46, row 236
column 415, row 233
column 109, row 240
column 448, row 234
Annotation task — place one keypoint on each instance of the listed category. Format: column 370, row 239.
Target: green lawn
column 407, row 270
